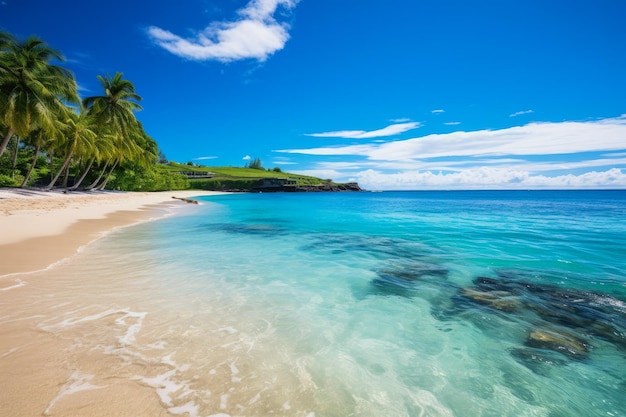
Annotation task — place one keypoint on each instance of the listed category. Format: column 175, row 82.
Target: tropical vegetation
column 50, row 137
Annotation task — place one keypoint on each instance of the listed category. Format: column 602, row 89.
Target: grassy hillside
column 233, row 178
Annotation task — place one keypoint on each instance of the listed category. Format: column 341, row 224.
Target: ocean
column 430, row 303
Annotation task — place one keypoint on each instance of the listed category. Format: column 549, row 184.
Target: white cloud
column 537, row 155
column 519, row 113
column 247, row 158
column 452, row 123
column 256, row 34
column 204, row 158
column 488, row 178
column 438, row 111
column 530, row 139
column 400, row 120
column 390, row 130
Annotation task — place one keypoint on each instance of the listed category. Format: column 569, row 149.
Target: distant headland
column 254, row 179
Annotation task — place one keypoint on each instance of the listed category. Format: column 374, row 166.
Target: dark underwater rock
column 585, row 312
column 609, row 332
column 404, row 279
column 415, row 271
column 499, row 300
column 250, row 229
column 596, row 314
column 388, row 285
column 563, row 323
column 504, row 282
column 539, row 361
column 398, row 250
column 560, row 341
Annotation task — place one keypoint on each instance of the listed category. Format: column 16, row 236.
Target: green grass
column 237, row 178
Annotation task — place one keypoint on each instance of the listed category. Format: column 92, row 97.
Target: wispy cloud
column 519, row 113
column 390, row 130
column 81, row 88
column 530, row 139
column 256, row 34
column 204, row 158
column 452, row 123
column 552, row 166
column 438, row 111
column 616, row 155
column 247, row 158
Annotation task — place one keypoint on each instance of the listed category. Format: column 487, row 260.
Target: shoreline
column 47, row 305
column 40, row 228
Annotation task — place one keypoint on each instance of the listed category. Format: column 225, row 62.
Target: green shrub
column 153, row 178
column 220, row 184
column 7, row 181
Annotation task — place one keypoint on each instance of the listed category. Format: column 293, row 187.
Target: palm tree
column 103, row 151
column 37, row 139
column 114, row 114
column 33, row 92
column 114, row 110
column 125, row 148
column 78, row 138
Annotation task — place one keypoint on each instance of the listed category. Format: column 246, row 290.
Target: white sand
column 28, row 217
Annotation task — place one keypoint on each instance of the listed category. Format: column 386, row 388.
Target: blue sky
column 400, row 94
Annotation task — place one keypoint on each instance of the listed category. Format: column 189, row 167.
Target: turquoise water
column 384, row 304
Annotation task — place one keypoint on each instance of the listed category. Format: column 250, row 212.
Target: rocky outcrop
column 331, row 186
column 279, row 185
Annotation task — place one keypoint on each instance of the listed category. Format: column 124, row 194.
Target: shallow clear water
column 376, row 304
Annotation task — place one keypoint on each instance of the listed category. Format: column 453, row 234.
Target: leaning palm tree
column 78, row 138
column 139, row 149
column 126, row 148
column 33, row 92
column 101, row 150
column 38, row 139
column 104, row 152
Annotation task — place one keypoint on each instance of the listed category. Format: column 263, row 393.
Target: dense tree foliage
column 50, row 137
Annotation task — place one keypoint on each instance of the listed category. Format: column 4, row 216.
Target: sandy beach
column 37, row 230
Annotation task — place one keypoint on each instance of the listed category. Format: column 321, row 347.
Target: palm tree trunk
column 6, row 140
column 82, row 177
column 17, row 146
column 93, row 184
column 108, row 177
column 51, row 156
column 65, row 165
column 32, row 166
column 66, row 176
